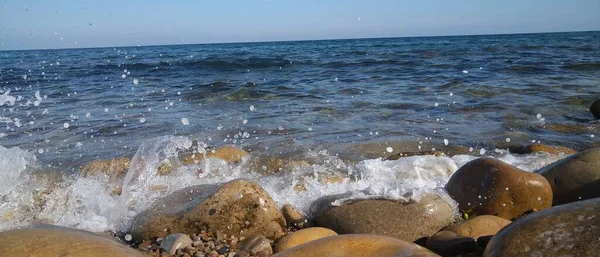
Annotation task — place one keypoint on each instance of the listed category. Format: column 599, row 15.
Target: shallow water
column 333, row 107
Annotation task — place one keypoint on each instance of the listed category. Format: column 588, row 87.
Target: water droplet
column 310, row 129
column 185, row 121
column 482, row 151
column 251, row 108
column 389, row 149
column 245, row 121
column 465, row 71
column 66, row 125
column 445, row 141
column 123, row 76
column 507, row 139
column 136, row 82
column 142, row 120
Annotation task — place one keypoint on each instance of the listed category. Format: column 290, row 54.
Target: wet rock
column 302, row 236
column 47, row 240
column 572, row 128
column 256, row 244
column 403, row 220
column 357, row 245
column 574, row 178
column 175, row 241
column 114, row 169
column 566, row 230
column 294, row 217
column 228, row 153
column 487, row 186
column 408, row 154
column 534, row 148
column 595, row 109
column 239, row 207
column 448, row 243
column 479, row 226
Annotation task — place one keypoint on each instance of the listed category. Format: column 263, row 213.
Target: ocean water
column 332, row 107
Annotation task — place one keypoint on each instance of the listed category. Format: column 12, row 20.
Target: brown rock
column 302, row 236
column 478, row 226
column 403, row 220
column 239, row 207
column 408, row 154
column 256, row 244
column 487, row 186
column 566, row 230
column 47, row 240
column 175, row 241
column 115, row 169
column 357, row 245
column 448, row 243
column 595, row 109
column 574, row 178
column 227, row 153
column 293, row 217
column 534, row 148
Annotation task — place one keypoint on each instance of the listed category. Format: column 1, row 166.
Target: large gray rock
column 239, row 207
column 595, row 108
column 407, row 221
column 488, row 186
column 574, row 178
column 566, row 230
column 55, row 241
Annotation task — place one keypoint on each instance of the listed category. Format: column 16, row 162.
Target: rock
column 294, row 217
column 448, row 243
column 115, row 169
column 403, row 220
column 534, row 148
column 175, row 241
column 487, row 186
column 574, row 178
column 302, row 236
column 357, row 245
column 255, row 244
column 48, row 241
column 595, row 108
column 566, row 230
column 408, row 154
column 239, row 207
column 478, row 226
column 227, row 153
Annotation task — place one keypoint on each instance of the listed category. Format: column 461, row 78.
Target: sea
column 327, row 112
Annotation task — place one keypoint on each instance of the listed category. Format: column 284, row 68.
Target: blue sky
column 80, row 23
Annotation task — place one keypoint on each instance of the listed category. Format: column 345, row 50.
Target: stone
column 302, row 236
column 408, row 154
column 115, row 169
column 595, row 109
column 228, row 153
column 488, row 186
column 173, row 242
column 294, row 217
column 574, row 178
column 479, row 226
column 49, row 240
column 237, row 208
column 448, row 243
column 567, row 230
column 535, row 148
column 357, row 245
column 255, row 244
column 407, row 221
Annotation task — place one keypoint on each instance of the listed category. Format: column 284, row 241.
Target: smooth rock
column 566, row 230
column 535, row 148
column 357, row 245
column 447, row 243
column 574, row 178
column 302, row 236
column 114, row 169
column 256, row 244
column 228, row 153
column 55, row 241
column 175, row 241
column 595, row 109
column 294, row 217
column 402, row 220
column 478, row 226
column 487, row 186
column 238, row 208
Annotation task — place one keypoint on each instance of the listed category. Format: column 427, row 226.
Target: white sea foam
column 87, row 202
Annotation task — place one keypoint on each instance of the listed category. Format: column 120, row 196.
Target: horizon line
column 295, row 40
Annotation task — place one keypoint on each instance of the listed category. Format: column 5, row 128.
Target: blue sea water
column 305, row 101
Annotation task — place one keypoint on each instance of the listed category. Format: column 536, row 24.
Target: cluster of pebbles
column 206, row 244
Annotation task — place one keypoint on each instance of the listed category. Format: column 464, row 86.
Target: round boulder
column 407, row 221
column 478, row 226
column 302, row 236
column 487, row 186
column 595, row 108
column 49, row 241
column 239, row 207
column 567, row 230
column 448, row 243
column 357, row 245
column 536, row 148
column 574, row 178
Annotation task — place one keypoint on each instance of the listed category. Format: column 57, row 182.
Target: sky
column 45, row 24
